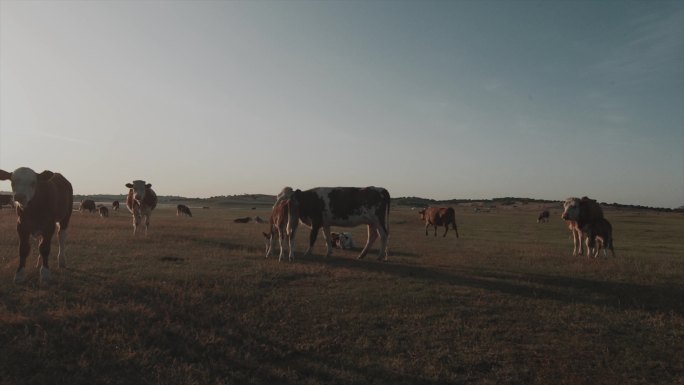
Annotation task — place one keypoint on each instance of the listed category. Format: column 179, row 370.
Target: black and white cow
column 44, row 203
column 323, row 207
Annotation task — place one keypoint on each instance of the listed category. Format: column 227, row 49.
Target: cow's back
column 61, row 195
column 439, row 216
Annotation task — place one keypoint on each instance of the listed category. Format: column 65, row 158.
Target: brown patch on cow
column 439, row 216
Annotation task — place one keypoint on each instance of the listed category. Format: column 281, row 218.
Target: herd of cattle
column 44, row 203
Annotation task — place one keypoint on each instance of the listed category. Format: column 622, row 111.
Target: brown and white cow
column 115, row 205
column 44, row 203
column 578, row 213
column 141, row 200
column 87, row 205
column 342, row 240
column 278, row 224
column 183, row 210
column 543, row 216
column 323, row 207
column 439, row 216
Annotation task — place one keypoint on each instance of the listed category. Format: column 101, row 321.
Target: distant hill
column 262, row 200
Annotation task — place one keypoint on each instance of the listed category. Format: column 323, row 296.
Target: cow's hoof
column 20, row 276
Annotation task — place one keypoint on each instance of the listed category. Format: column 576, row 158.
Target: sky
column 437, row 99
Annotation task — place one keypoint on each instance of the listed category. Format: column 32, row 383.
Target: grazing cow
column 242, row 220
column 115, row 205
column 543, row 216
column 280, row 215
column 104, row 212
column 340, row 206
column 342, row 240
column 578, row 213
column 6, row 200
column 439, row 216
column 601, row 232
column 140, row 202
column 44, row 203
column 183, row 210
column 87, row 204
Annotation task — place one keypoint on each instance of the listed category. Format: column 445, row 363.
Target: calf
column 87, row 205
column 439, row 216
column 323, row 207
column 280, row 217
column 342, row 240
column 578, row 213
column 543, row 216
column 115, row 206
column 44, row 203
column 141, row 200
column 183, row 210
column 601, row 232
column 104, row 212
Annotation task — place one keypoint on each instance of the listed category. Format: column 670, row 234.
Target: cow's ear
column 129, row 185
column 149, row 185
column 45, row 175
column 4, row 175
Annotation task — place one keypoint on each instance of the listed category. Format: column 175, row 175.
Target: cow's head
column 24, row 182
column 571, row 209
column 139, row 188
column 422, row 214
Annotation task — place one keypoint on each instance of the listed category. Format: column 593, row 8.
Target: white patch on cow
column 24, row 182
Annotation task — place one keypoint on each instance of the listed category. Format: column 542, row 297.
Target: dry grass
column 196, row 303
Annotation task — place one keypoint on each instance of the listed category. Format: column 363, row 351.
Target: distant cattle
column 543, row 216
column 278, row 225
column 104, row 212
column 87, row 205
column 183, row 210
column 439, row 216
column 342, row 240
column 323, row 207
column 578, row 213
column 141, row 200
column 44, row 203
column 242, row 220
column 115, row 206
column 6, row 200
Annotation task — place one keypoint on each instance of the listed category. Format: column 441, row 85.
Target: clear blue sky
column 462, row 99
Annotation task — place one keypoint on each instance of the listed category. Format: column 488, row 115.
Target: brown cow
column 141, row 200
column 599, row 232
column 87, row 205
column 578, row 213
column 183, row 210
column 439, row 216
column 543, row 216
column 44, row 203
column 280, row 215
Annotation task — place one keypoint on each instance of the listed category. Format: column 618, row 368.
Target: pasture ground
column 196, row 303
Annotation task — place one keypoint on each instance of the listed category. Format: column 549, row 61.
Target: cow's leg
column 292, row 224
column 328, row 243
column 147, row 222
column 24, row 250
column 372, row 235
column 61, row 254
column 312, row 238
column 455, row 229
column 426, row 228
column 281, row 238
column 435, row 230
column 446, row 229
column 382, row 253
column 136, row 221
column 44, row 248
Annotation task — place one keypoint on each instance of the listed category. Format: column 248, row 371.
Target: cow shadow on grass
column 618, row 295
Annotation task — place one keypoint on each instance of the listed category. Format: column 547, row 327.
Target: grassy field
column 196, row 303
